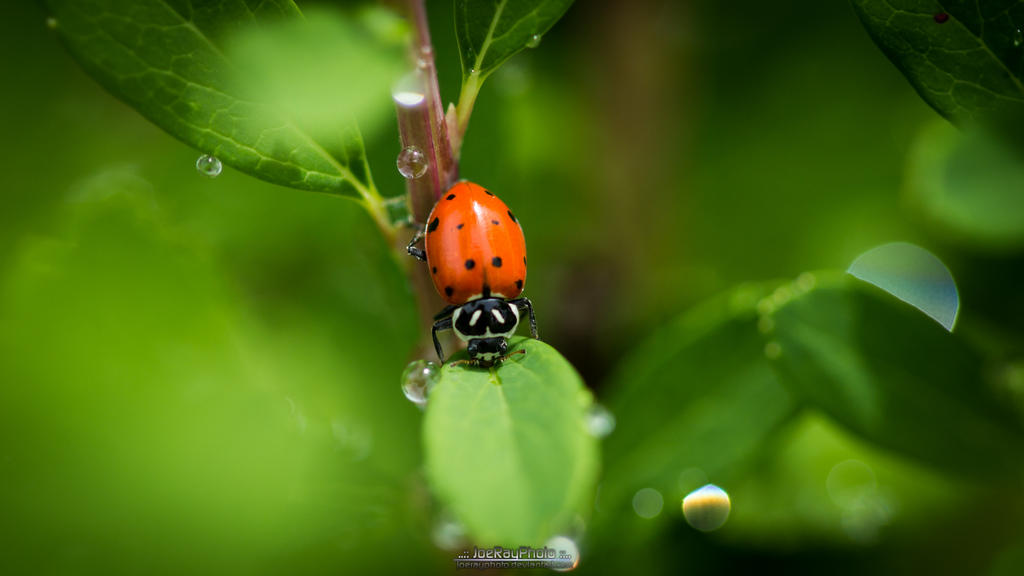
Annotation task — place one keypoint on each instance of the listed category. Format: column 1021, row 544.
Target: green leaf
column 698, row 394
column 162, row 408
column 822, row 483
column 322, row 70
column 968, row 66
column 694, row 401
column 913, row 275
column 507, row 449
column 887, row 372
column 492, row 31
column 168, row 59
column 697, row 402
column 968, row 185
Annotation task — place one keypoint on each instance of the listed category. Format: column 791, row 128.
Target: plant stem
column 424, row 125
column 375, row 206
column 467, row 97
column 421, row 123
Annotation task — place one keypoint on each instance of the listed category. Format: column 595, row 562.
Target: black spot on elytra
column 488, row 192
column 433, row 224
column 448, row 290
column 496, row 261
column 450, row 197
column 434, row 269
column 470, row 264
column 460, row 226
column 519, row 284
column 512, row 216
column 495, row 222
column 524, row 260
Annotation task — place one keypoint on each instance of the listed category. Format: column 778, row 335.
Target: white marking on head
column 455, row 325
column 497, row 316
column 475, row 317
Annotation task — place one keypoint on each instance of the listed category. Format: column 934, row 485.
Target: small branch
column 422, row 124
column 462, row 112
column 375, row 206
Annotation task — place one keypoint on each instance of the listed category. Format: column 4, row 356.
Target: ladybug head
column 485, row 324
column 487, row 350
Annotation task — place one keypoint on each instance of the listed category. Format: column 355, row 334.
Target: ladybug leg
column 480, row 364
column 496, row 362
column 442, row 324
column 417, row 253
column 521, row 303
column 447, row 312
column 511, row 354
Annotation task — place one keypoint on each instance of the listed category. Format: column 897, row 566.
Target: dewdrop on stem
column 209, row 166
column 412, row 163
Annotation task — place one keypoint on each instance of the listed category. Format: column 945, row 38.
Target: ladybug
column 476, row 252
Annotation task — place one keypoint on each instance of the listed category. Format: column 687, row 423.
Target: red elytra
column 475, row 246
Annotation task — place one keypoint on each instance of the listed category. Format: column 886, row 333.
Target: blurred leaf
column 698, row 397
column 322, row 70
column 155, row 413
column 492, row 31
column 913, row 275
column 168, row 61
column 962, row 57
column 507, row 449
column 821, row 482
column 969, row 185
column 888, row 373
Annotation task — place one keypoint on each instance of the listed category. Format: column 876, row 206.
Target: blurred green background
column 202, row 375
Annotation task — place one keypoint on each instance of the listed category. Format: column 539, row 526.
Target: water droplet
column 410, row 90
column 849, row 482
column 707, row 508
column 209, row 166
column 421, row 63
column 51, row 23
column 448, row 533
column 426, row 50
column 648, row 502
column 352, row 439
column 412, row 163
column 691, row 479
column 941, row 17
column 781, row 295
column 419, row 379
column 772, row 350
column 600, row 421
column 806, row 282
column 567, row 553
column 1018, row 37
column 863, row 520
column 534, row 41
column 913, row 275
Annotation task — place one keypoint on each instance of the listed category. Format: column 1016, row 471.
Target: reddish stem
column 421, row 123
column 424, row 125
